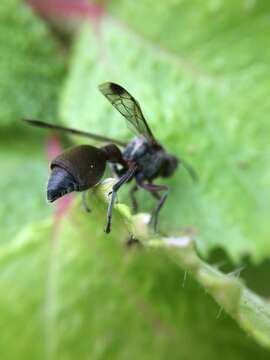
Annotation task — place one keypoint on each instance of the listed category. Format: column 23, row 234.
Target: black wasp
column 143, row 158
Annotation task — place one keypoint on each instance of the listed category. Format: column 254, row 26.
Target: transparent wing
column 128, row 107
column 43, row 124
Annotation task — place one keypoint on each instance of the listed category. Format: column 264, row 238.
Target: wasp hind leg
column 134, row 201
column 125, row 178
column 84, row 202
column 156, row 211
column 154, row 191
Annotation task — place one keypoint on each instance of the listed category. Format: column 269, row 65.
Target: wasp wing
column 43, row 124
column 128, row 107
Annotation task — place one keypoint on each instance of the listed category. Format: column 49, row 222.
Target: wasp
column 143, row 159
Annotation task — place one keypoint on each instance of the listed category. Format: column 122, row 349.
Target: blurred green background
column 200, row 70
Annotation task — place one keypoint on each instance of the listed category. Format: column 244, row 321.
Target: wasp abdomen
column 60, row 183
column 76, row 169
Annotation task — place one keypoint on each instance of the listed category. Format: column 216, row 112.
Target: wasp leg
column 156, row 195
column 114, row 170
column 125, row 178
column 154, row 191
column 134, row 201
column 84, row 202
column 156, row 211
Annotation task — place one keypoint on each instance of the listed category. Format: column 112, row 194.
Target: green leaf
column 31, row 67
column 200, row 73
column 83, row 294
column 249, row 310
column 31, row 72
column 24, row 172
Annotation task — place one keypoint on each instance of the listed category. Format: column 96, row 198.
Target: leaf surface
column 82, row 293
column 203, row 89
column 31, row 73
column 31, row 67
